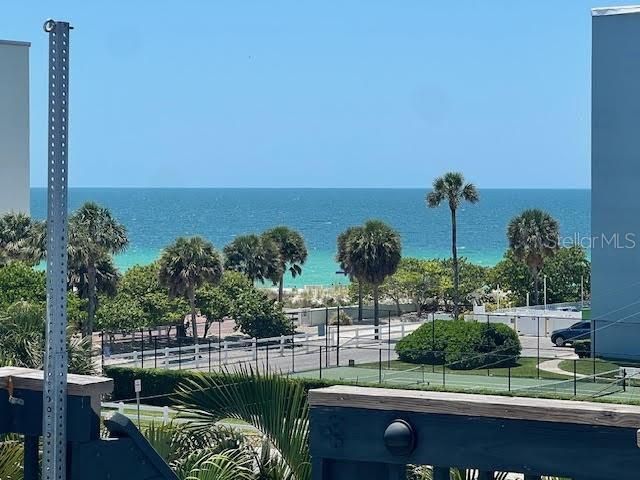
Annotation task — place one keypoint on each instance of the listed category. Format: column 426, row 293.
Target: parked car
column 577, row 331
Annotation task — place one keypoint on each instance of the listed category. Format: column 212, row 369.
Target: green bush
column 582, row 348
column 343, row 320
column 158, row 385
column 461, row 345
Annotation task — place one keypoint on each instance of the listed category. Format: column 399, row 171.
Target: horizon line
column 297, row 188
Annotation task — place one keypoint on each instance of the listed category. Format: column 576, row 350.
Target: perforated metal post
column 55, row 366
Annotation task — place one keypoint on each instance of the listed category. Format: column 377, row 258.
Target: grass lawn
column 526, row 367
column 584, row 366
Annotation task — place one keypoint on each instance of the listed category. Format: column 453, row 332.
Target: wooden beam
column 79, row 385
column 533, row 447
column 492, row 406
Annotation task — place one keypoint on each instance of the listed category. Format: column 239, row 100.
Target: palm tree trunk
column 91, row 300
column 536, row 286
column 359, row 301
column 454, row 251
column 376, row 320
column 280, row 289
column 194, row 325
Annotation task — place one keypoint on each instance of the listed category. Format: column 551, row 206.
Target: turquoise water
column 155, row 217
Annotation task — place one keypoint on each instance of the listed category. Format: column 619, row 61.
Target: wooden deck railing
column 373, row 433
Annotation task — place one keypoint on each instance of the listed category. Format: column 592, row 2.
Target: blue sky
column 317, row 94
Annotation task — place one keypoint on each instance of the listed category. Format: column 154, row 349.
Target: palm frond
column 271, row 403
column 11, row 453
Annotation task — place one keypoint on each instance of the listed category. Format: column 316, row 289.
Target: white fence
column 209, row 355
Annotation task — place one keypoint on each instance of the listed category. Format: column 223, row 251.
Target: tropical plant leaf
column 11, row 459
column 274, row 405
column 226, row 465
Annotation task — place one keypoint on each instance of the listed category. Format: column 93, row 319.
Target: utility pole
column 54, row 402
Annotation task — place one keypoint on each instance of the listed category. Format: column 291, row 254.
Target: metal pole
column 582, row 291
column 545, row 292
column 293, row 353
column 102, row 351
column 179, row 353
column 380, row 365
column 538, row 358
column 142, row 347
column 320, row 363
column 155, row 351
column 338, row 343
column 54, row 412
column 267, row 357
column 509, row 378
column 209, row 353
column 444, row 364
column 219, row 345
column 326, row 335
column 389, row 342
column 256, row 349
column 575, row 378
column 433, row 342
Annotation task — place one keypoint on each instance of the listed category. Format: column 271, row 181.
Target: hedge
column 461, row 345
column 582, row 348
column 159, row 384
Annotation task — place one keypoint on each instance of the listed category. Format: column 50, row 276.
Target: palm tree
column 293, row 252
column 255, row 256
column 374, row 254
column 185, row 266
column 271, row 403
column 451, row 188
column 344, row 260
column 94, row 236
column 21, row 239
column 533, row 236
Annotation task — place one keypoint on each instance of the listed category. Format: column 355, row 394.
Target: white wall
column 14, row 126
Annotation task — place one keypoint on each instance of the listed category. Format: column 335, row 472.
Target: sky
column 293, row 93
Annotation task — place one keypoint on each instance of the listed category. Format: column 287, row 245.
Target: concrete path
column 553, row 366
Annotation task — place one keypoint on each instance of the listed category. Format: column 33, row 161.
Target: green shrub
column 344, row 319
column 158, row 385
column 582, row 348
column 461, row 345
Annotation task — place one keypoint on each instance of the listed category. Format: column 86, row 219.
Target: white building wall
column 14, row 126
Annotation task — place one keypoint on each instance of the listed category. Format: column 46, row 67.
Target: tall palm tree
column 292, row 250
column 451, row 188
column 343, row 257
column 533, row 236
column 185, row 266
column 255, row 256
column 374, row 254
column 21, row 239
column 94, row 236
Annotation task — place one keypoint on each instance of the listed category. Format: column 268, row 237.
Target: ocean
column 154, row 217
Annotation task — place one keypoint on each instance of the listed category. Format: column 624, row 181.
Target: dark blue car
column 577, row 331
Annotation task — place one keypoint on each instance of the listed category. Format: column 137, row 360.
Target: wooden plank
column 30, row 379
column 494, row 406
column 488, row 444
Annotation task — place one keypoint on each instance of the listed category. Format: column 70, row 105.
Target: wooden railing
column 373, row 433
